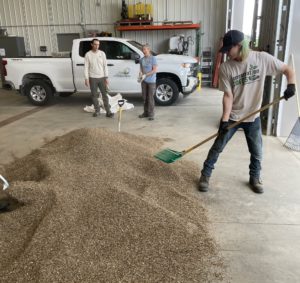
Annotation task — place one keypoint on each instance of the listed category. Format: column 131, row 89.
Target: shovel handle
column 234, row 124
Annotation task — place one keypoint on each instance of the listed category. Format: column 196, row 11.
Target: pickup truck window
column 84, row 47
column 114, row 50
column 117, row 50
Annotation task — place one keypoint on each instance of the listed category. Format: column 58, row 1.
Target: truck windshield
column 140, row 46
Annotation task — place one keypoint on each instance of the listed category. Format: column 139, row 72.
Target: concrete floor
column 259, row 235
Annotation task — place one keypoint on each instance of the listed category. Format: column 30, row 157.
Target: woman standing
column 147, row 76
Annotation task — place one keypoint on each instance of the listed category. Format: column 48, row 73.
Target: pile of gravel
column 99, row 208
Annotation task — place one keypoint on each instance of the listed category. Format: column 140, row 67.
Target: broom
column 293, row 140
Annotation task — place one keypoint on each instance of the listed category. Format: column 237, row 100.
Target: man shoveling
column 242, row 80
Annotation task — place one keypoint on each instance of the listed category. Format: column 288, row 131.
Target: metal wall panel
column 211, row 14
column 39, row 21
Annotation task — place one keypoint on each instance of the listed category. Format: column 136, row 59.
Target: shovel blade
column 168, row 155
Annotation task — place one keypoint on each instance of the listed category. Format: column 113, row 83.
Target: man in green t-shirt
column 242, row 80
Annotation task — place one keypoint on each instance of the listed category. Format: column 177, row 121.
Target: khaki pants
column 96, row 83
column 148, row 92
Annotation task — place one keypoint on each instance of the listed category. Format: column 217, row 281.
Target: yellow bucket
column 131, row 14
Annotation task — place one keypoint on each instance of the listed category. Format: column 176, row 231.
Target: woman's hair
column 146, row 46
column 245, row 49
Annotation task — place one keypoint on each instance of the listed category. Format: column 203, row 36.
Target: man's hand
column 106, row 82
column 290, row 91
column 86, row 82
column 223, row 127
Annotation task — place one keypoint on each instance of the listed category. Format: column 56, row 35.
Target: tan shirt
column 95, row 65
column 245, row 80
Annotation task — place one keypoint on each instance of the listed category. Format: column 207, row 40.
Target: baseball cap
column 231, row 38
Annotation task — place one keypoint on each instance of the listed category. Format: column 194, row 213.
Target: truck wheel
column 166, row 92
column 38, row 92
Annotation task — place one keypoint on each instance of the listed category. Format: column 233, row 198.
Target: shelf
column 158, row 27
column 134, row 22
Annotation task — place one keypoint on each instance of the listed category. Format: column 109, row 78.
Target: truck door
column 122, row 68
column 78, row 66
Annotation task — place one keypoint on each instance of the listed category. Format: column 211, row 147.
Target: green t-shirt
column 245, row 80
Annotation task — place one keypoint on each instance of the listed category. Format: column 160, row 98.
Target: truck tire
column 38, row 92
column 166, row 92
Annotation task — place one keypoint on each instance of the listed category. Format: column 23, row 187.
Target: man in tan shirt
column 96, row 76
column 242, row 80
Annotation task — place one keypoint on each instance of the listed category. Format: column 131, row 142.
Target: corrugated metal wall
column 39, row 21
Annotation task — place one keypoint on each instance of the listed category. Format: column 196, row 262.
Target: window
column 114, row 50
column 117, row 51
column 84, row 47
column 65, row 41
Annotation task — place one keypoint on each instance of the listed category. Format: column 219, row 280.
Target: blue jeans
column 253, row 136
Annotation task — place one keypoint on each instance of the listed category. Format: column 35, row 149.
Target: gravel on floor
column 98, row 207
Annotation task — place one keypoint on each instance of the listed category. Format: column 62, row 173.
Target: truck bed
column 58, row 70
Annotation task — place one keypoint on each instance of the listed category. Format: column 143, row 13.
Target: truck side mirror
column 136, row 58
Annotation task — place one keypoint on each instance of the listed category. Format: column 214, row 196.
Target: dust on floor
column 99, row 208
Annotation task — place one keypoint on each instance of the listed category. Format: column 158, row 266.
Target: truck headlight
column 186, row 65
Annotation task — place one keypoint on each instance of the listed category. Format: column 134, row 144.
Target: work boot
column 143, row 115
column 203, row 183
column 110, row 115
column 256, row 185
column 96, row 114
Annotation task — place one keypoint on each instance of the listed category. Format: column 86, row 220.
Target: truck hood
column 176, row 59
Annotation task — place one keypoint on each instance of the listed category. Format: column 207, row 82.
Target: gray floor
column 259, row 235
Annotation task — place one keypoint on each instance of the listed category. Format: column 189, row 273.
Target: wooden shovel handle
column 234, row 124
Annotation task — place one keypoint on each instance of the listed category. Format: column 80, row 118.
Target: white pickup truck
column 39, row 78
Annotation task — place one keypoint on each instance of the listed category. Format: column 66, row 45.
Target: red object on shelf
column 158, row 27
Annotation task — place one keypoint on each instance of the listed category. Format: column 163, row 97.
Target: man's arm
column 86, row 70
column 289, row 73
column 105, row 68
column 227, row 105
column 291, row 79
